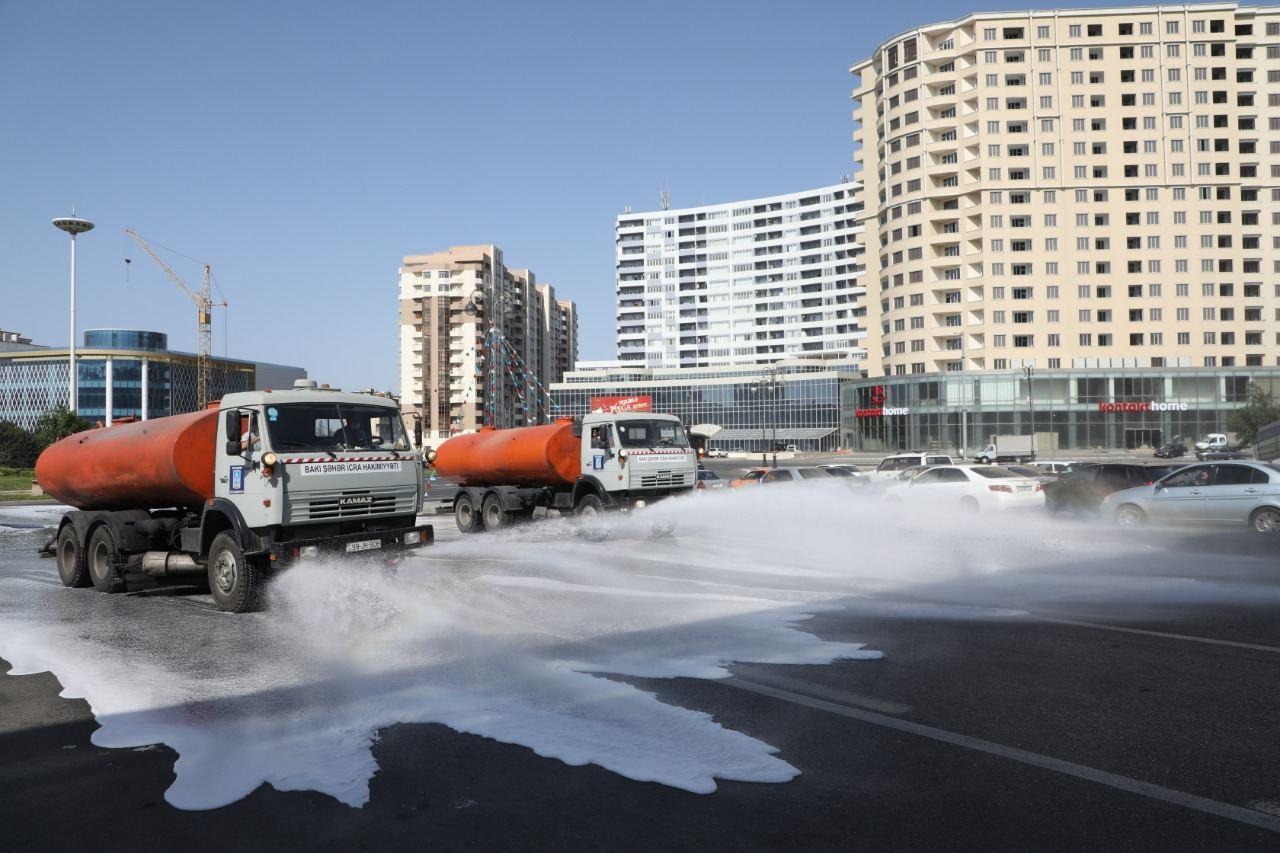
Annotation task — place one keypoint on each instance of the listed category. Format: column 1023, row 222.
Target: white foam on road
column 502, row 635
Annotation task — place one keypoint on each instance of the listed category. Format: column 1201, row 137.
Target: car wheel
column 1128, row 515
column 72, row 568
column 970, row 506
column 234, row 579
column 1265, row 520
column 99, row 559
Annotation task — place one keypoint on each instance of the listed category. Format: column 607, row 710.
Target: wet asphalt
column 1088, row 715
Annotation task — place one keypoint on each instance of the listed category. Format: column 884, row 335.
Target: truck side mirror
column 417, row 433
column 231, row 418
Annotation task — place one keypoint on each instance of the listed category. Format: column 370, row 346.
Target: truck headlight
column 640, row 504
column 309, row 551
column 413, row 537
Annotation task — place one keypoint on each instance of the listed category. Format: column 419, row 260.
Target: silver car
column 1222, row 493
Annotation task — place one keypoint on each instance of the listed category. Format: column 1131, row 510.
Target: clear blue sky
column 305, row 148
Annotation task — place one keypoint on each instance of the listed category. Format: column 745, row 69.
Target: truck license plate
column 365, row 545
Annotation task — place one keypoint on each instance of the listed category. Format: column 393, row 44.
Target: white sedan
column 980, row 488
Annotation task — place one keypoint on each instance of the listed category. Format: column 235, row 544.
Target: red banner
column 618, row 405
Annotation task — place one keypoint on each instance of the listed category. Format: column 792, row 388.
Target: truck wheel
column 98, row 560
column 465, row 515
column 492, row 513
column 234, row 580
column 71, row 559
column 590, row 506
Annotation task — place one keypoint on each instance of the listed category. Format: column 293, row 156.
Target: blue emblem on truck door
column 237, row 479
column 597, row 462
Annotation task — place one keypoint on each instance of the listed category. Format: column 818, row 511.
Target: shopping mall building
column 1123, row 407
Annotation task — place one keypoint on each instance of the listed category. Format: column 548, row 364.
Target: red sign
column 619, row 405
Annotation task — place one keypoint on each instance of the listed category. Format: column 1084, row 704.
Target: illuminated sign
column 619, row 405
column 877, row 397
column 1142, row 406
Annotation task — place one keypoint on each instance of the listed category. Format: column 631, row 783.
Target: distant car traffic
column 980, row 488
column 1084, row 486
column 1220, row 453
column 1224, row 493
column 717, row 453
column 1053, row 466
column 763, row 476
column 1172, row 449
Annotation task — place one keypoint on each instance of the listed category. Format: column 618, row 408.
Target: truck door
column 238, row 476
column 600, row 457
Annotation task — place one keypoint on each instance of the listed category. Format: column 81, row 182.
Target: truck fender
column 589, row 485
column 221, row 514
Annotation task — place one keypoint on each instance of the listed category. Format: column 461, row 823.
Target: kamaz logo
column 356, row 500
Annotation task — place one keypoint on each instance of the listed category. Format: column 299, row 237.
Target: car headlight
column 413, row 537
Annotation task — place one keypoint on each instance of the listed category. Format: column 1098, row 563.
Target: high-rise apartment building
column 479, row 343
column 747, row 282
column 1093, row 188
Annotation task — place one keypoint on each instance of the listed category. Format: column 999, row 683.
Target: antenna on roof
column 665, row 197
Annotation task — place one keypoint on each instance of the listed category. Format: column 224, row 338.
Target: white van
column 891, row 466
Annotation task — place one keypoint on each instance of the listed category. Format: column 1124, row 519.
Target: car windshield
column 994, row 473
column 704, row 474
column 899, row 463
column 335, row 426
column 651, row 433
column 838, row 472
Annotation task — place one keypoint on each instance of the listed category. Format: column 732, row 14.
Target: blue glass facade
column 126, row 339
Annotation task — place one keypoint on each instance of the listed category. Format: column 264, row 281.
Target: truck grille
column 339, row 504
column 663, row 478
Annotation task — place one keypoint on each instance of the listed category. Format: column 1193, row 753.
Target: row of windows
column 1145, row 28
column 1056, row 364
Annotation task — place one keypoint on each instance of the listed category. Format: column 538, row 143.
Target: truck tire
column 98, row 561
column 492, row 513
column 589, row 507
column 69, row 552
column 465, row 514
column 235, row 580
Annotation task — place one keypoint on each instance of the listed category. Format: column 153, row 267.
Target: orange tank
column 142, row 465
column 524, row 456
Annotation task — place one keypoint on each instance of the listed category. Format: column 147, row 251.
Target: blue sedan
column 1222, row 493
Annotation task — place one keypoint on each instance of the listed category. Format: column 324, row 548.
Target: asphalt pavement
column 1093, row 704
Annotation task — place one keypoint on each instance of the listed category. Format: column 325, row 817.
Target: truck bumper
column 389, row 544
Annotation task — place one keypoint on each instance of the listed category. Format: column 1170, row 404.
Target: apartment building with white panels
column 1074, row 188
column 745, row 282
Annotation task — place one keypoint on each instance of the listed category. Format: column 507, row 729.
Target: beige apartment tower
column 479, row 343
column 1073, row 189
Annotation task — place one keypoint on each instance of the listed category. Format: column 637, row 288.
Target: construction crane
column 204, row 317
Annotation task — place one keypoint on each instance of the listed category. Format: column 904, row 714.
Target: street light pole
column 1031, row 406
column 73, row 225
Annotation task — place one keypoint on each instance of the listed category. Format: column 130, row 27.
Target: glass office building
column 122, row 373
column 747, row 408
column 1087, row 408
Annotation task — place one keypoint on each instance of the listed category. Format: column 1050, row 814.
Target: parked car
column 1084, row 486
column 1221, row 453
column 708, row 479
column 1032, row 473
column 890, row 466
column 763, row 476
column 979, row 488
column 1172, row 449
column 1053, row 466
column 1223, row 493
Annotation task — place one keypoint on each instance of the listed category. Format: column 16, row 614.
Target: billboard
column 617, row 405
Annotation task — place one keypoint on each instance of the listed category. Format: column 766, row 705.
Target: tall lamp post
column 1031, row 406
column 768, row 384
column 73, row 225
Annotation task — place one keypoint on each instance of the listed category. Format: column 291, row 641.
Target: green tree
column 1260, row 410
column 18, row 448
column 57, row 424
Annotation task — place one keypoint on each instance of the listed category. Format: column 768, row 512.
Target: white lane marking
column 857, row 700
column 1162, row 634
column 1057, row 765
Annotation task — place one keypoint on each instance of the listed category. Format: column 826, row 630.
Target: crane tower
column 204, row 317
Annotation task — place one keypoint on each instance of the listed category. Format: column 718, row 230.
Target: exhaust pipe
column 161, row 563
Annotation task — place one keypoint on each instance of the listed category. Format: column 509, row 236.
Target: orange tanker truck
column 582, row 466
column 234, row 492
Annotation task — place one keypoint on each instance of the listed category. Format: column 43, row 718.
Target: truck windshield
column 651, row 433
column 335, row 426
